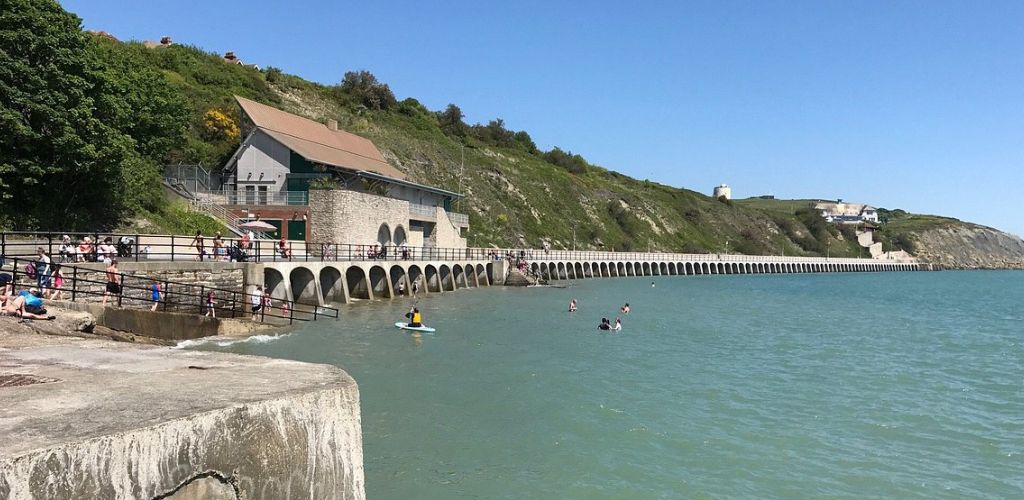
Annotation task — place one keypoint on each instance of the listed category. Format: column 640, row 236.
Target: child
column 155, row 289
column 210, row 310
column 58, row 283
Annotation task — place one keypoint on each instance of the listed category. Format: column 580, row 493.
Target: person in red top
column 282, row 247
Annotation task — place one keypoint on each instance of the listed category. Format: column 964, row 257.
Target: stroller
column 125, row 246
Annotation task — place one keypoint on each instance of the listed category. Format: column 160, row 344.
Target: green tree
column 366, row 90
column 451, row 122
column 78, row 138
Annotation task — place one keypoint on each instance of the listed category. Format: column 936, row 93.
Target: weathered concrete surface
column 126, row 421
column 165, row 325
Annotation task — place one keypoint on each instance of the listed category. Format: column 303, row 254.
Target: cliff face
column 970, row 246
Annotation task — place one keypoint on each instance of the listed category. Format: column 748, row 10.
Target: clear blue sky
column 902, row 104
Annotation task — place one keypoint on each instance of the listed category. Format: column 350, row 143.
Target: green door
column 297, row 230
column 276, row 233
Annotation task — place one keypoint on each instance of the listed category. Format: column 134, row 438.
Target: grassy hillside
column 515, row 194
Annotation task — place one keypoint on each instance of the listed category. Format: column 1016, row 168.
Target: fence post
column 172, row 248
column 291, row 312
column 3, row 245
column 202, row 294
column 167, row 296
column 49, row 245
column 234, row 302
column 138, row 243
column 120, row 291
column 74, row 281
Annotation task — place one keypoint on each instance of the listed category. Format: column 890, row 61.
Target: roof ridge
column 325, row 145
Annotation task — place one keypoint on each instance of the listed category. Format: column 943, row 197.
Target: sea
column 845, row 385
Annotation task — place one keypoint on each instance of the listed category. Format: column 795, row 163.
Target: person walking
column 211, row 305
column 113, row 281
column 58, row 283
column 200, row 245
column 154, row 290
column 256, row 299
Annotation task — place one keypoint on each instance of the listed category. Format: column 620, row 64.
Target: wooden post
column 74, row 282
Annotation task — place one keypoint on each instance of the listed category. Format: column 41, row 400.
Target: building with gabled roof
column 282, row 153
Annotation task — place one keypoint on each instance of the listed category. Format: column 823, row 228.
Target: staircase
column 517, row 278
column 191, row 182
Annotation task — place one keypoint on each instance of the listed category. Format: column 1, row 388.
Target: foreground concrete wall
column 165, row 325
column 112, row 420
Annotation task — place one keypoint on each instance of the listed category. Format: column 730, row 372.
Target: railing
column 136, row 291
column 172, row 247
column 458, row 219
column 236, row 197
column 225, row 216
column 422, row 212
column 193, row 178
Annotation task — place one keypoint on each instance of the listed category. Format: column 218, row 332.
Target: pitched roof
column 315, row 142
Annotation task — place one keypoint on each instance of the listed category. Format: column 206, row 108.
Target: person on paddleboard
column 417, row 318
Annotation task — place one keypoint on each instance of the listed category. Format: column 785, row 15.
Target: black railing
column 137, row 292
column 141, row 247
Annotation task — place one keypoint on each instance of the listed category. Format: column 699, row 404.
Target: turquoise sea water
column 844, row 385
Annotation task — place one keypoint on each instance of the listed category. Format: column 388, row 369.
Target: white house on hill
column 847, row 213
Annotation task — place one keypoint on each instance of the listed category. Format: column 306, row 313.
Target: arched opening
column 398, row 277
column 459, row 276
column 379, row 283
column 689, row 269
column 400, row 236
column 489, row 269
column 603, row 267
column 273, row 284
column 646, row 266
column 433, row 280
column 580, row 272
column 559, row 270
column 358, row 288
column 384, row 234
column 483, row 277
column 447, row 283
column 332, row 289
column 416, row 277
column 303, row 285
column 535, row 269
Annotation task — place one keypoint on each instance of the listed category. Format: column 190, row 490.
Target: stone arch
column 384, row 234
column 580, row 272
column 358, row 285
column 415, row 275
column 432, row 277
column 398, row 275
column 689, row 269
column 303, row 284
column 648, row 270
column 483, row 276
column 535, row 269
column 379, row 283
column 332, row 287
column 447, row 283
column 604, row 270
column 459, row 276
column 274, row 284
column 400, row 237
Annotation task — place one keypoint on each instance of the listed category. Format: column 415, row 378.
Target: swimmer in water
column 605, row 324
column 572, row 306
column 625, row 308
column 618, row 325
column 652, row 284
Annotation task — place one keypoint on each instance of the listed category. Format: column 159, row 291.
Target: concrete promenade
column 318, row 282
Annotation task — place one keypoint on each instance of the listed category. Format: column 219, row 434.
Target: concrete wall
column 194, row 275
column 345, row 216
column 262, row 155
column 446, row 234
column 165, row 325
column 121, row 421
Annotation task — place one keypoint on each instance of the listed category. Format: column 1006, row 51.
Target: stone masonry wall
column 341, row 216
column 447, row 235
column 191, row 281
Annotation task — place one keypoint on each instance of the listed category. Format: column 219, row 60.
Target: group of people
column 26, row 304
column 605, row 324
column 221, row 250
column 261, row 303
column 87, row 250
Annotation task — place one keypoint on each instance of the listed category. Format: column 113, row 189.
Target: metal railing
column 458, row 219
column 80, row 283
column 241, row 197
column 138, row 247
column 422, row 212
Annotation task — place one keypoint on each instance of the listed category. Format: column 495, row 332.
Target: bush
column 574, row 163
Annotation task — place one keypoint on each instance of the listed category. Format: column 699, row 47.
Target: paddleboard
column 405, row 326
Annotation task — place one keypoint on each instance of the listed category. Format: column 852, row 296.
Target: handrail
column 174, row 247
column 172, row 297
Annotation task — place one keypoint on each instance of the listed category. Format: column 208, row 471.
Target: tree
column 366, row 90
column 78, row 139
column 451, row 122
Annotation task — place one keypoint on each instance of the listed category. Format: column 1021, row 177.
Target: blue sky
column 902, row 104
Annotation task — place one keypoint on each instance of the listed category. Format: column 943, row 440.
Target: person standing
column 256, row 299
column 572, row 306
column 155, row 295
column 200, row 245
column 211, row 305
column 43, row 271
column 58, row 283
column 401, row 287
column 113, row 281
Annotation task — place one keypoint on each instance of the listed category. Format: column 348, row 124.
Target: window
column 250, row 195
column 263, row 195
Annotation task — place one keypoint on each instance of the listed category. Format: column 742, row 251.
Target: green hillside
column 516, row 195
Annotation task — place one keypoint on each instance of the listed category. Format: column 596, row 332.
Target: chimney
column 230, row 56
column 166, row 41
column 332, row 124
